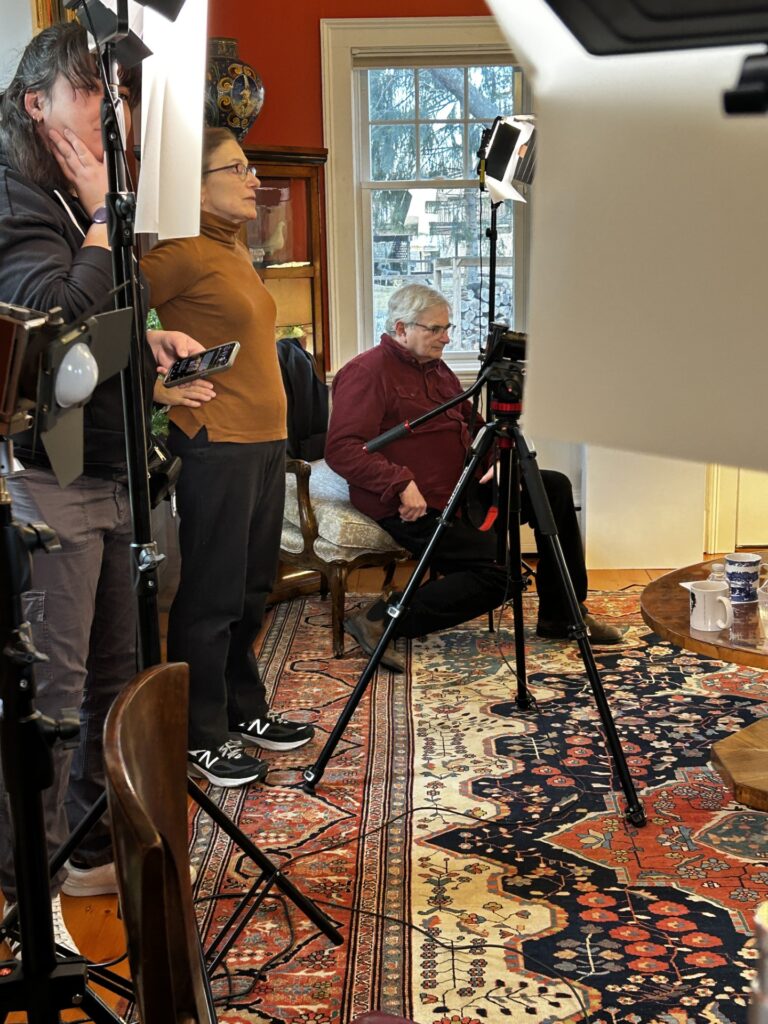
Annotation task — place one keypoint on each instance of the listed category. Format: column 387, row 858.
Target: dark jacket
column 43, row 265
column 307, row 401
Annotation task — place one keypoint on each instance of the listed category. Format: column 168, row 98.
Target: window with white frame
column 405, row 103
column 424, row 216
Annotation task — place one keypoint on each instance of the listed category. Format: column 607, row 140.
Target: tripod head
column 503, row 370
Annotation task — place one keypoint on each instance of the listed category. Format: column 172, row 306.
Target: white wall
column 642, row 511
column 16, row 17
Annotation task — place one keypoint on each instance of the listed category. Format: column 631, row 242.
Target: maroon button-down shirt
column 374, row 392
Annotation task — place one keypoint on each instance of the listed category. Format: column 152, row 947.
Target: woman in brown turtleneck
column 231, row 490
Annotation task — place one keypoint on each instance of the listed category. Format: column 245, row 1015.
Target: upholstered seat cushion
column 339, row 524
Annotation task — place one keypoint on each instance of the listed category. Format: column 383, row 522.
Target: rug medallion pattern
column 497, row 836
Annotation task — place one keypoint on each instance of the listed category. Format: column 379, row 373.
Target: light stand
column 121, row 208
column 39, row 983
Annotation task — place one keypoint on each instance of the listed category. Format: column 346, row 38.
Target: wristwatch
column 99, row 215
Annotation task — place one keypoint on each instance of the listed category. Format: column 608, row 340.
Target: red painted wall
column 281, row 39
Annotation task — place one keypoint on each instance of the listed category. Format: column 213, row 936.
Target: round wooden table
column 664, row 605
column 742, row 759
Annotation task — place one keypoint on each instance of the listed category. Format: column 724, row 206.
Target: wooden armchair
column 145, row 759
column 323, row 532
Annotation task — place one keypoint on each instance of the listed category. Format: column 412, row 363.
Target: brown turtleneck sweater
column 207, row 287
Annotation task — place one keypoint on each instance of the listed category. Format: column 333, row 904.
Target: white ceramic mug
column 742, row 572
column 710, row 607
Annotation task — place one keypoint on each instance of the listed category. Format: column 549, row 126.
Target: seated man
column 406, row 485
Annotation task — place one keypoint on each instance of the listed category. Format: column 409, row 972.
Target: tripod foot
column 636, row 815
column 308, row 785
column 525, row 702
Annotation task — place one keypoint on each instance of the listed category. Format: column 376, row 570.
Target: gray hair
column 409, row 301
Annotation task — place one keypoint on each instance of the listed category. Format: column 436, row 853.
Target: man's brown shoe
column 367, row 627
column 599, row 632
column 603, row 632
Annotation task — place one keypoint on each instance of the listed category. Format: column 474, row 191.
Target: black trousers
column 471, row 582
column 231, row 499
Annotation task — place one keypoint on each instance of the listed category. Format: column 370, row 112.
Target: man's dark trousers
column 472, row 583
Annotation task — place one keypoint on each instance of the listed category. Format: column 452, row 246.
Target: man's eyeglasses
column 241, row 170
column 434, row 329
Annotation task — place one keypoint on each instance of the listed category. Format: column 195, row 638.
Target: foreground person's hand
column 86, row 174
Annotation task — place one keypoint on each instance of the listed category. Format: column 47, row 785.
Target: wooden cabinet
column 287, row 240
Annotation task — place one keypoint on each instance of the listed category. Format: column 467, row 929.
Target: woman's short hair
column 409, row 301
column 213, row 139
column 62, row 50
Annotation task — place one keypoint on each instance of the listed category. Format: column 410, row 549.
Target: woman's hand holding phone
column 194, row 394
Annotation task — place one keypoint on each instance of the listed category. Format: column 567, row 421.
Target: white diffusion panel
column 649, row 248
column 173, row 92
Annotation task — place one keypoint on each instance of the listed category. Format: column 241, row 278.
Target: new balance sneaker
column 273, row 732
column 61, row 934
column 227, row 766
column 98, row 881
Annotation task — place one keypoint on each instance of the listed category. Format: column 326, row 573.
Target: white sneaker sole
column 252, row 741
column 201, row 773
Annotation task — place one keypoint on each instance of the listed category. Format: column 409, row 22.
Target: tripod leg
column 304, row 904
column 508, row 533
column 546, row 526
column 480, row 448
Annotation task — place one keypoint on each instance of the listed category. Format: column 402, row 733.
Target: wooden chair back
column 145, row 754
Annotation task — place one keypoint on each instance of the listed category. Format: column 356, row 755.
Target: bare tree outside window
column 428, row 216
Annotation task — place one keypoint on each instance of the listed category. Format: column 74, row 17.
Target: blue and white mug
column 742, row 572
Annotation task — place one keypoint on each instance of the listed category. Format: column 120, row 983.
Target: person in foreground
column 231, row 491
column 54, row 251
column 407, row 484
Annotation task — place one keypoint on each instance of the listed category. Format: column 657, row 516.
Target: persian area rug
column 476, row 858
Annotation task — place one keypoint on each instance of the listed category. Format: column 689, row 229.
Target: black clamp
column 750, row 94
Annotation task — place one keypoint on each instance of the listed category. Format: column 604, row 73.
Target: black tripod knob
column 21, row 649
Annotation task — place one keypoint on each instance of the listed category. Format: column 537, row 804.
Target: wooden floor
column 94, row 922
column 368, row 581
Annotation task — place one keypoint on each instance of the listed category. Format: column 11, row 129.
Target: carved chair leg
column 337, row 579
column 389, row 575
column 323, row 586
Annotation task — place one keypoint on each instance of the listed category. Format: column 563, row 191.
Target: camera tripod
column 504, row 378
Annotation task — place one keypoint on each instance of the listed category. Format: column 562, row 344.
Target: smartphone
column 214, row 360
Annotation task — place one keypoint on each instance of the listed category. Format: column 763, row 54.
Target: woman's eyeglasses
column 241, row 170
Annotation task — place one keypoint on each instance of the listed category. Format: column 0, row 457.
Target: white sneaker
column 98, row 881
column 61, row 934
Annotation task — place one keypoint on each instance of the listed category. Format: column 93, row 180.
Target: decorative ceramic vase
column 235, row 91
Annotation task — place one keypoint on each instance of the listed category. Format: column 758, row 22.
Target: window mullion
column 417, row 119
